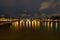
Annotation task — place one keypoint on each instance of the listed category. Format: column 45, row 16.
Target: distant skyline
column 17, row 7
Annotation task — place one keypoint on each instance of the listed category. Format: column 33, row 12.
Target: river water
column 49, row 32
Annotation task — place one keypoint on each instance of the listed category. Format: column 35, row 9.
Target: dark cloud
column 16, row 7
column 50, row 7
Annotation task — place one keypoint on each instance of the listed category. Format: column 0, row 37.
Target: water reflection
column 34, row 24
column 22, row 24
column 56, row 25
column 45, row 24
column 49, row 25
column 14, row 26
column 28, row 23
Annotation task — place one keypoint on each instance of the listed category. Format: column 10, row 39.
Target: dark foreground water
column 27, row 35
column 7, row 34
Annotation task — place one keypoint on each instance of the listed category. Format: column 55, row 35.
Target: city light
column 31, row 23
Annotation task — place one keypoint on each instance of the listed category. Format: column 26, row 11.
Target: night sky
column 18, row 7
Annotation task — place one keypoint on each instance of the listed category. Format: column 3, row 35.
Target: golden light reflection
column 15, row 25
column 34, row 24
column 22, row 24
column 51, row 25
column 48, row 23
column 28, row 23
column 56, row 25
column 38, row 25
column 45, row 24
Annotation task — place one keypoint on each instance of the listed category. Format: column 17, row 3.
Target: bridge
column 5, row 21
column 12, row 20
column 27, row 22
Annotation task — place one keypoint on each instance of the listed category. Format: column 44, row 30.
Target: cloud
column 48, row 4
column 44, row 5
column 50, row 8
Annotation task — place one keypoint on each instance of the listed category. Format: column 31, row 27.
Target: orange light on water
column 33, row 23
column 45, row 24
column 56, row 25
column 15, row 25
column 22, row 24
column 28, row 23
column 51, row 25
column 48, row 24
column 38, row 25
